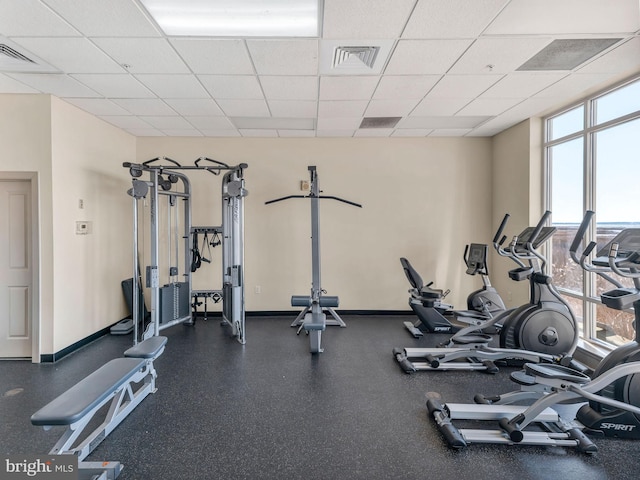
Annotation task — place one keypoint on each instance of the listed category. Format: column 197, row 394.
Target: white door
column 15, row 269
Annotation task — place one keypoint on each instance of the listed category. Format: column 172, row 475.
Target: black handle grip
column 589, row 248
column 539, row 226
column 581, row 231
column 501, row 228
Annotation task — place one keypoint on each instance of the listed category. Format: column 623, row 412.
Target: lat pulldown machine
column 171, row 303
column 313, row 319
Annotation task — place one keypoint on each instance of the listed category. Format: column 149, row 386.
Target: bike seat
column 558, row 372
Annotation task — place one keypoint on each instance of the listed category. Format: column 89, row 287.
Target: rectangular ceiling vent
column 567, row 54
column 7, row 51
column 379, row 122
column 354, row 57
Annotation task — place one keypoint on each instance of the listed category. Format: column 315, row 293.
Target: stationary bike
column 542, row 330
column 435, row 316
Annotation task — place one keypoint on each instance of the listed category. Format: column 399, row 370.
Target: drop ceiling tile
column 404, row 86
column 114, row 86
column 10, row 85
column 566, row 17
column 174, row 86
column 244, row 108
column 340, row 108
column 214, row 56
column 181, row 132
column 335, row 133
column 439, row 106
column 166, row 122
column 97, row 106
column 97, row 18
column 411, row 132
column 450, row 132
column 338, row 123
column 125, row 121
column 390, row 108
column 290, row 87
column 145, row 106
column 451, row 18
column 296, row 133
column 284, row 57
column 220, row 133
column 293, row 109
column 194, row 106
column 70, row 55
column 365, row 18
column 481, row 131
column 574, row 85
column 232, row 86
column 145, row 132
column 619, row 60
column 250, row 132
column 489, row 106
column 143, row 55
column 210, row 123
column 462, row 86
column 373, row 132
column 498, row 55
column 517, row 85
column 32, row 18
column 55, row 84
column 272, row 123
column 347, row 88
column 438, row 122
column 419, row 57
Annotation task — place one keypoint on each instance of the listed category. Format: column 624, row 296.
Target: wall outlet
column 304, row 185
column 258, row 289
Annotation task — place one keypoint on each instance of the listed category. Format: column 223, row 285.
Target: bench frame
column 122, row 401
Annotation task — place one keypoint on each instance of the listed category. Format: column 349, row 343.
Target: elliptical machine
column 610, row 398
column 542, row 330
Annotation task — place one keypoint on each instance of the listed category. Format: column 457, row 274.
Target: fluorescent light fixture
column 236, row 18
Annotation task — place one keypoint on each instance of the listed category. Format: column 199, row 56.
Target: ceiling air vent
column 7, row 51
column 354, row 57
column 567, row 54
column 379, row 122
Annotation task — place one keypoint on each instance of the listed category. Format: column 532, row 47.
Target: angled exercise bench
column 124, row 382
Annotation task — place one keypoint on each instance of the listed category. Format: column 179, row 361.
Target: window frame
column 588, row 133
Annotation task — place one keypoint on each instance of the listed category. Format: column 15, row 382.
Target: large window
column 592, row 152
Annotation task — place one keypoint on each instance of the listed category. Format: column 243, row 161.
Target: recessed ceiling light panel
column 236, row 18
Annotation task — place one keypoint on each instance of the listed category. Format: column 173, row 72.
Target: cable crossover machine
column 171, row 294
column 312, row 318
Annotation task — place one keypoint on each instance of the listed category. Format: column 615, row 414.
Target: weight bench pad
column 76, row 402
column 149, row 348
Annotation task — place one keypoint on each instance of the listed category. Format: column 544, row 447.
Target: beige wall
column 87, row 156
column 517, row 190
column 423, row 199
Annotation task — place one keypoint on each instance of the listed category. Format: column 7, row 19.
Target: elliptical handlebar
column 501, row 229
column 627, row 272
column 582, row 260
column 536, row 232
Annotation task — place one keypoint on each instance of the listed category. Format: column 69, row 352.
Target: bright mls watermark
column 51, row 467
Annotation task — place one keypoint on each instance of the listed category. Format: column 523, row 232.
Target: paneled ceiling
column 441, row 67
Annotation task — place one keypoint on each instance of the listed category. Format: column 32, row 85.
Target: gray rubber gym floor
column 271, row 410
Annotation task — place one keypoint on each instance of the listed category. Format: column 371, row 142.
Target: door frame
column 32, row 178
